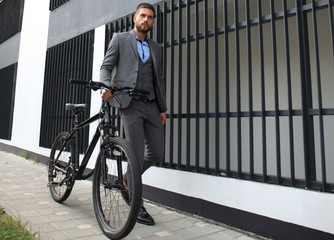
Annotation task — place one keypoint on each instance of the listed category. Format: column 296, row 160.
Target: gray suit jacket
column 120, row 68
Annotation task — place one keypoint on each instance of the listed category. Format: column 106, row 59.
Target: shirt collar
column 146, row 39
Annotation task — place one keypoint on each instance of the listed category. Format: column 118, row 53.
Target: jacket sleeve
column 110, row 60
column 162, row 81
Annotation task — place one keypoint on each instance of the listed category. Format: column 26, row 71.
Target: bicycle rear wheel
column 116, row 206
column 60, row 170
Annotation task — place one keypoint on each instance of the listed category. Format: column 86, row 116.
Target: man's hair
column 145, row 5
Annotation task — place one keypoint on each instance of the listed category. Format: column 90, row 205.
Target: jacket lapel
column 152, row 52
column 133, row 42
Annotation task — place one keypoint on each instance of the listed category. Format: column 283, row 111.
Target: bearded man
column 133, row 60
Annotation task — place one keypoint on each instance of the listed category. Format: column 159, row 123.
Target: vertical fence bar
column 108, row 35
column 227, row 89
column 122, row 25
column 188, row 87
column 330, row 13
column 58, row 91
column 197, row 95
column 216, row 47
column 132, row 22
column 309, row 154
column 69, row 46
column 62, row 94
column 71, row 70
column 171, row 123
column 151, row 33
column 277, row 122
column 164, row 40
column 237, row 74
column 55, row 110
column 82, row 59
column 206, row 79
column 89, row 73
column 45, row 102
column 288, row 77
column 321, row 120
column 77, row 65
column 180, row 87
column 250, row 91
column 263, row 94
column 50, row 92
column 117, row 26
column 127, row 24
column 159, row 24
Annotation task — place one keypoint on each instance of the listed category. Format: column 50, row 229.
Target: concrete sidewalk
column 24, row 195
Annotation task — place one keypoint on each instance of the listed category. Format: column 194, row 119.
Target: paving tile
column 57, row 235
column 185, row 234
column 226, row 235
column 167, row 218
column 96, row 237
column 46, row 227
column 67, row 224
column 77, row 233
column 245, row 238
column 162, row 234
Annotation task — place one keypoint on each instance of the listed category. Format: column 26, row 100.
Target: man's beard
column 140, row 29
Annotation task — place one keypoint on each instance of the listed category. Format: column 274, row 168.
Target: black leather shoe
column 144, row 217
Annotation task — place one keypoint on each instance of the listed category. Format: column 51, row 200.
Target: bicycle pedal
column 52, row 184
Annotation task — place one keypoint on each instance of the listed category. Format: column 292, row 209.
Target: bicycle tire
column 60, row 156
column 116, row 208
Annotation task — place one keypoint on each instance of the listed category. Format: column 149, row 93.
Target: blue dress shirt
column 143, row 49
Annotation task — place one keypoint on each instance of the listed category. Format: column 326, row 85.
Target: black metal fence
column 71, row 59
column 56, row 3
column 249, row 86
column 7, row 99
column 11, row 14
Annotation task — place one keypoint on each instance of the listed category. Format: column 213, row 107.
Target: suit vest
column 145, row 77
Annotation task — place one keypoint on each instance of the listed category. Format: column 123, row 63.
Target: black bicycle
column 117, row 188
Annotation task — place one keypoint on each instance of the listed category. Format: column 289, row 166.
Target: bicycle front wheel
column 117, row 198
column 60, row 171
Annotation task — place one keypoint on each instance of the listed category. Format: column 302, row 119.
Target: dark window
column 71, row 59
column 11, row 12
column 249, row 88
column 56, row 3
column 7, row 96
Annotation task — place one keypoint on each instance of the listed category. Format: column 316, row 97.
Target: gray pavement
column 24, row 195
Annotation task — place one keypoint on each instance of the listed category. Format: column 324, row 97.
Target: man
column 135, row 61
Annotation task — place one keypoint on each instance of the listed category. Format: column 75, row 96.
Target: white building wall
column 298, row 206
column 30, row 77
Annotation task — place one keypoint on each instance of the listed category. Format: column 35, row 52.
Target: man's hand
column 107, row 95
column 163, row 118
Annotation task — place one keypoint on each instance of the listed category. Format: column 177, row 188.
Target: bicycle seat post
column 75, row 116
column 76, row 109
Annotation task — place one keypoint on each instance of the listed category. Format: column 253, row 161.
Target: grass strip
column 13, row 229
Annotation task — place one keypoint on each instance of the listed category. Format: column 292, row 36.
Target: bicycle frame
column 80, row 168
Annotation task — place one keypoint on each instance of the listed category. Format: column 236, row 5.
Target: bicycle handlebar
column 93, row 85
column 98, row 85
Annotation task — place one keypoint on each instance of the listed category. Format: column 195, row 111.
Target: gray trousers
column 144, row 131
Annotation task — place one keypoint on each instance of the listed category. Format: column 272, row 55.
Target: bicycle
column 117, row 188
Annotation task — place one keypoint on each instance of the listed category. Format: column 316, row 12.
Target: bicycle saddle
column 75, row 107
